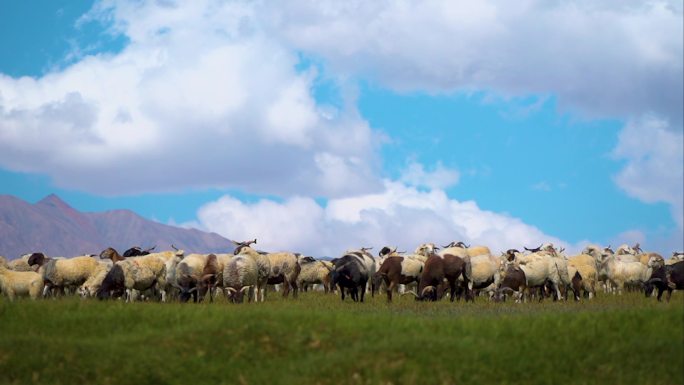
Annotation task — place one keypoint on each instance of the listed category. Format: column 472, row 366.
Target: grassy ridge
column 318, row 339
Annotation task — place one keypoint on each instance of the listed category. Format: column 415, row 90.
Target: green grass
column 317, row 339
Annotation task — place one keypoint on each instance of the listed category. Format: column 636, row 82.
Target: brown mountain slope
column 55, row 228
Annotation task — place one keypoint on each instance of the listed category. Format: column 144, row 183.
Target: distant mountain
column 53, row 227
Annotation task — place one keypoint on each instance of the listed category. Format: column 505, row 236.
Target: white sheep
column 239, row 275
column 133, row 275
column 93, row 283
column 314, row 272
column 540, row 267
column 67, row 273
column 585, row 265
column 620, row 273
column 285, row 269
column 20, row 283
column 187, row 275
column 20, row 264
column 263, row 264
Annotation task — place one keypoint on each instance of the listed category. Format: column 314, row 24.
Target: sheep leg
column 363, row 289
column 295, row 288
column 390, row 288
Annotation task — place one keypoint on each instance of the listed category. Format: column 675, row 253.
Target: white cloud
column 654, row 170
column 400, row 215
column 439, row 178
column 607, row 59
column 200, row 97
column 619, row 60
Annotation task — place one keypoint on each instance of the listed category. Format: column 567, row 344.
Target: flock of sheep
column 429, row 273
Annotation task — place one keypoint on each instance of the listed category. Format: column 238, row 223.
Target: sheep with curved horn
column 534, row 250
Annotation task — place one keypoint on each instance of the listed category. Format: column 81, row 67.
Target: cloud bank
column 399, row 215
column 200, row 97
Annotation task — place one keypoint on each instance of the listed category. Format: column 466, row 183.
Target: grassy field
column 317, row 339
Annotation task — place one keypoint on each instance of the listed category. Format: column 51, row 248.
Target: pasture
column 317, row 339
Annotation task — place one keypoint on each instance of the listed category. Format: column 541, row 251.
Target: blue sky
column 438, row 122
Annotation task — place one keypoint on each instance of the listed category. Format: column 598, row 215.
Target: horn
column 655, row 280
column 174, row 247
column 427, row 288
column 452, row 244
column 536, row 249
column 505, row 289
column 231, row 290
column 410, row 292
column 245, row 288
column 206, row 277
column 364, row 249
column 244, row 243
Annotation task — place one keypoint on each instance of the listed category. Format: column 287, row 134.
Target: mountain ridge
column 55, row 228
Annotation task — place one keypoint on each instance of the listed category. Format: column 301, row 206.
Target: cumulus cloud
column 654, row 167
column 619, row 60
column 654, row 155
column 603, row 59
column 399, row 215
column 200, row 97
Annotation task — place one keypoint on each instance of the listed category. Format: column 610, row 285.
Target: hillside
column 57, row 229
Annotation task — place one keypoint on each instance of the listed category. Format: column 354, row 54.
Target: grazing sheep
column 620, row 273
column 512, row 279
column 94, row 282
column 314, row 272
column 133, row 275
column 20, row 283
column 188, row 274
column 369, row 264
column 263, row 264
column 541, row 268
column 284, row 269
column 209, row 278
column 585, row 265
column 350, row 272
column 239, row 275
column 398, row 270
column 61, row 274
column 20, row 264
